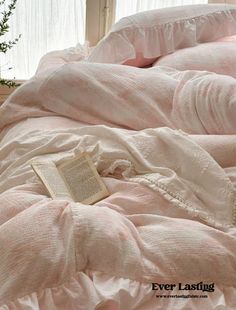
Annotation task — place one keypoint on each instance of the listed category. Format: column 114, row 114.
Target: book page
column 83, row 180
column 50, row 177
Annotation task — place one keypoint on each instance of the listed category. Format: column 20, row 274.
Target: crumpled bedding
column 171, row 213
column 218, row 57
column 195, row 101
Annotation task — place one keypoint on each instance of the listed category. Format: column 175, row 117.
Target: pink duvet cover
column 170, row 217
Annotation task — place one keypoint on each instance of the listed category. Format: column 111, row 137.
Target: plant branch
column 8, row 83
column 7, row 45
column 4, row 27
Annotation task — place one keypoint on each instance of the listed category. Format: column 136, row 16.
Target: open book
column 76, row 179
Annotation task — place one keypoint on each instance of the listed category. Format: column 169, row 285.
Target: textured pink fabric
column 171, row 212
column 139, row 39
column 56, row 58
column 133, row 98
column 227, row 39
column 67, row 254
column 90, row 289
column 218, row 57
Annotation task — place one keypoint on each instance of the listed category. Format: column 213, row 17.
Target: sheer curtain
column 44, row 25
column 129, row 7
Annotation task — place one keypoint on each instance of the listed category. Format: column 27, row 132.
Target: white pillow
column 141, row 38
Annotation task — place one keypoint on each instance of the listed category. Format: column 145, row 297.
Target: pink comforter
column 170, row 216
column 195, row 101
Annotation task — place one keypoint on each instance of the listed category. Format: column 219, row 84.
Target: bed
column 165, row 237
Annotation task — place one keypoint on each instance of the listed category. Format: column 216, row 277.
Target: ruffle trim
column 128, row 172
column 95, row 290
column 178, row 201
column 134, row 43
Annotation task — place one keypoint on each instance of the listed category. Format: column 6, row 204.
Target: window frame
column 100, row 16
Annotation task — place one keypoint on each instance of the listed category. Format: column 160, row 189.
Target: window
column 47, row 25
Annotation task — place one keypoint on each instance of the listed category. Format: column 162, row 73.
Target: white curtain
column 45, row 25
column 129, row 7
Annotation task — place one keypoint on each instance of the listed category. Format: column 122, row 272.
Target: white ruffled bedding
column 170, row 216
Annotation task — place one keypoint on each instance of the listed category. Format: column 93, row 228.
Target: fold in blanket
column 48, row 242
column 122, row 96
column 163, row 159
column 62, row 238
